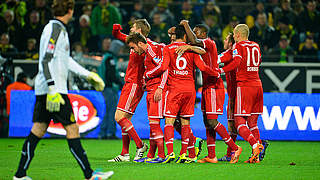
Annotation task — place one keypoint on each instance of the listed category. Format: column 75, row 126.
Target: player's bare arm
column 196, row 49
column 191, row 35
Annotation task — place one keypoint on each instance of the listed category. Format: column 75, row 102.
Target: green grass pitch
column 53, row 161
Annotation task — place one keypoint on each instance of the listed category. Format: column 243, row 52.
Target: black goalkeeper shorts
column 65, row 116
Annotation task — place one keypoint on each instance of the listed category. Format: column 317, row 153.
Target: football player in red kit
column 181, row 94
column 249, row 94
column 212, row 94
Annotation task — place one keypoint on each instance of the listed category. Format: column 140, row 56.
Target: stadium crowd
column 288, row 31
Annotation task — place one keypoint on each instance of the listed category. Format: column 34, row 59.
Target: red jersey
column 246, row 60
column 135, row 69
column 181, row 68
column 226, row 57
column 152, row 59
column 210, row 58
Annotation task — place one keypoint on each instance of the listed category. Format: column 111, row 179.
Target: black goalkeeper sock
column 81, row 156
column 27, row 154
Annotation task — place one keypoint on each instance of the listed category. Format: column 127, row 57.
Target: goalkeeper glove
column 96, row 81
column 53, row 100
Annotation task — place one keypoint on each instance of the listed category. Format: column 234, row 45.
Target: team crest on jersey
column 157, row 60
column 50, row 48
column 235, row 52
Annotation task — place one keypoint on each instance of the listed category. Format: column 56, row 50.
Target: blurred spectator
column 308, row 51
column 283, row 52
column 87, row 9
column 44, row 10
column 298, row 7
column 7, row 49
column 229, row 27
column 309, row 20
column 138, row 11
column 252, row 16
column 103, row 16
column 187, row 13
column 165, row 14
column 214, row 29
column 33, row 28
column 18, row 7
column 31, row 52
column 159, row 30
column 82, row 33
column 127, row 26
column 11, row 26
column 212, row 9
column 108, row 72
column 262, row 33
column 284, row 28
column 20, row 84
column 285, row 10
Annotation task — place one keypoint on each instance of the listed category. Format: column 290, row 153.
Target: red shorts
column 181, row 103
column 130, row 97
column 155, row 109
column 249, row 100
column 212, row 102
column 230, row 109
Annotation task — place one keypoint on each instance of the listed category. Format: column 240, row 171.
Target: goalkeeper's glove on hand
column 96, row 81
column 54, row 99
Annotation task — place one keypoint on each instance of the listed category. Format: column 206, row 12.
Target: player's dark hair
column 61, row 7
column 135, row 38
column 203, row 28
column 231, row 39
column 180, row 31
column 143, row 25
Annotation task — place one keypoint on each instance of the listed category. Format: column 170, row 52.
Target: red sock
column 244, row 131
column 168, row 137
column 158, row 138
column 185, row 134
column 192, row 141
column 153, row 145
column 222, row 131
column 252, row 123
column 125, row 142
column 234, row 138
column 255, row 132
column 211, row 142
column 128, row 127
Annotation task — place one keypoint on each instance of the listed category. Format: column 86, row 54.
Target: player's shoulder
column 247, row 43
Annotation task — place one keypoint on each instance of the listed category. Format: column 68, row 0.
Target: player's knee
column 231, row 127
column 39, row 129
column 72, row 131
column 212, row 122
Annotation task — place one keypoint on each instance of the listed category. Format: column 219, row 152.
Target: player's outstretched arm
column 196, row 49
column 163, row 66
column 225, row 57
column 116, row 32
column 204, row 68
column 190, row 34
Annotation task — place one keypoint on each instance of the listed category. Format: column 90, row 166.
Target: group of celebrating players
column 167, row 73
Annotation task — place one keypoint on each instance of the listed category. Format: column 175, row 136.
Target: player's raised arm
column 116, row 32
column 190, row 34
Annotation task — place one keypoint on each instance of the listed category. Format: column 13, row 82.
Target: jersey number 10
column 251, row 55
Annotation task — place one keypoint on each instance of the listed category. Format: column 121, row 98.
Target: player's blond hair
column 243, row 30
column 143, row 25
